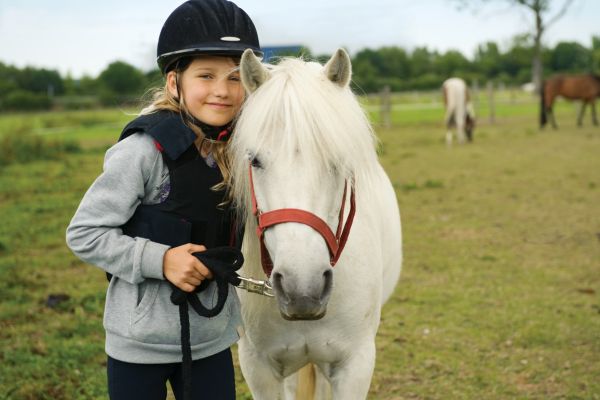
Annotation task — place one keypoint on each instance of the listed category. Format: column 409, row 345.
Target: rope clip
column 256, row 286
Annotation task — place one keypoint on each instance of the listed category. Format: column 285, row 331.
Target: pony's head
column 304, row 136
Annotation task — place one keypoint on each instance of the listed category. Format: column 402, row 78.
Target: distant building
column 280, row 51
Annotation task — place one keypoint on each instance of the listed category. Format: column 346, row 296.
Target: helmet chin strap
column 216, row 133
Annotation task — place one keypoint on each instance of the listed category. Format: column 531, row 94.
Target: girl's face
column 211, row 89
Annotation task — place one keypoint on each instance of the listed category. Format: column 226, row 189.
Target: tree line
column 39, row 88
column 422, row 68
column 418, row 69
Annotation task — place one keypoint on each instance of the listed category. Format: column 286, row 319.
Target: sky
column 81, row 37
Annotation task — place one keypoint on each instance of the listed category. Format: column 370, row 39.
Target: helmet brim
column 165, row 61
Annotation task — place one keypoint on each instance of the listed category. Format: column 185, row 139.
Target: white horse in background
column 304, row 138
column 459, row 110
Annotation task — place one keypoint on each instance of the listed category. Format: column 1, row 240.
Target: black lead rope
column 222, row 262
column 186, row 350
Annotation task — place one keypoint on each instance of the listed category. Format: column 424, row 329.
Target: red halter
column 335, row 243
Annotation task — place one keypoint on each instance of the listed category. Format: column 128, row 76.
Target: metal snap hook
column 256, row 286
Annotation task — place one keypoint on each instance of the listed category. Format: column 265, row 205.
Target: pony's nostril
column 327, row 283
column 277, row 282
column 277, row 279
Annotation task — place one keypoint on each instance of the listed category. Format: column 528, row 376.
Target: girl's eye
column 234, row 78
column 205, row 76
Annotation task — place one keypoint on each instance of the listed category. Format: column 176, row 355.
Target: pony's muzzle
column 299, row 301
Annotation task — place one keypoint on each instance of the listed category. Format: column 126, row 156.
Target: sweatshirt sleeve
column 95, row 234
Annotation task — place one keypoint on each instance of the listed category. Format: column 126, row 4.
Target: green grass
column 92, row 128
column 499, row 296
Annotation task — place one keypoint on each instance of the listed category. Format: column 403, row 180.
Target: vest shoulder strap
column 165, row 127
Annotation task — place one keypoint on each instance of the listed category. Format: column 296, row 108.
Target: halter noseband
column 335, row 243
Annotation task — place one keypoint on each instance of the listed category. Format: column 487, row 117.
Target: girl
column 164, row 181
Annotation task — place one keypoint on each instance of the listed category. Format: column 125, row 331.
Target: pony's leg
column 350, row 380
column 290, row 386
column 594, row 118
column 449, row 121
column 469, row 135
column 460, row 133
column 581, row 113
column 448, row 138
column 318, row 390
column 258, row 374
column 551, row 114
column 322, row 386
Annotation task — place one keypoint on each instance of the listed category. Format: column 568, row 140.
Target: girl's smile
column 210, row 89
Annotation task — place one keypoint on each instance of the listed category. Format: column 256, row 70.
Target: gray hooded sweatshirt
column 141, row 323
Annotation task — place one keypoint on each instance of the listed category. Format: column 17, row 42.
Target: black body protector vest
column 191, row 212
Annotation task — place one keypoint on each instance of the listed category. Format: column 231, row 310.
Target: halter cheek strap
column 335, row 242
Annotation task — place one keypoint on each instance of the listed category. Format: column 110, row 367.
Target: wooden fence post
column 386, row 107
column 475, row 93
column 491, row 105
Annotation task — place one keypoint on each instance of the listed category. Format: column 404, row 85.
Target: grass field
column 500, row 292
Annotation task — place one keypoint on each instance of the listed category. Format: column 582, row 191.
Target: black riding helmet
column 217, row 27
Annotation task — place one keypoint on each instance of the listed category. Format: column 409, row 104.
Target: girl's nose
column 221, row 88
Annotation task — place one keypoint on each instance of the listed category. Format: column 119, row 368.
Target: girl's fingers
column 194, row 281
column 186, row 287
column 205, row 272
column 195, row 248
column 202, row 270
column 197, row 275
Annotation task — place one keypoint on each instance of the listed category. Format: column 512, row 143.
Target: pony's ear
column 339, row 68
column 252, row 71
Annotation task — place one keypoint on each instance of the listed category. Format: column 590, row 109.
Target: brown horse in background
column 573, row 87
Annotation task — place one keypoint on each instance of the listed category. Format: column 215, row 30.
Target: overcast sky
column 82, row 37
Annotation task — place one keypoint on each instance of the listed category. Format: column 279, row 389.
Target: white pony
column 459, row 110
column 304, row 137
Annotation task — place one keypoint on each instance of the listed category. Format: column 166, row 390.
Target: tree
column 488, row 59
column 451, row 63
column 120, row 83
column 596, row 54
column 540, row 9
column 571, row 57
column 542, row 21
column 8, row 81
column 516, row 61
column 366, row 71
column 40, row 81
column 395, row 62
column 422, row 60
column 122, row 78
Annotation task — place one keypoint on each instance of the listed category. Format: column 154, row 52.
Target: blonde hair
column 161, row 99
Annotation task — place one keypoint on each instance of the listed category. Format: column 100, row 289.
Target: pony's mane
column 298, row 112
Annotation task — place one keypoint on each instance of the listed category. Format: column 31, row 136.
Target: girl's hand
column 184, row 270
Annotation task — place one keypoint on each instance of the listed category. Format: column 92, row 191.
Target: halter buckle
column 256, row 286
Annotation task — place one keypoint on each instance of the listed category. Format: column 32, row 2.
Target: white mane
column 299, row 112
